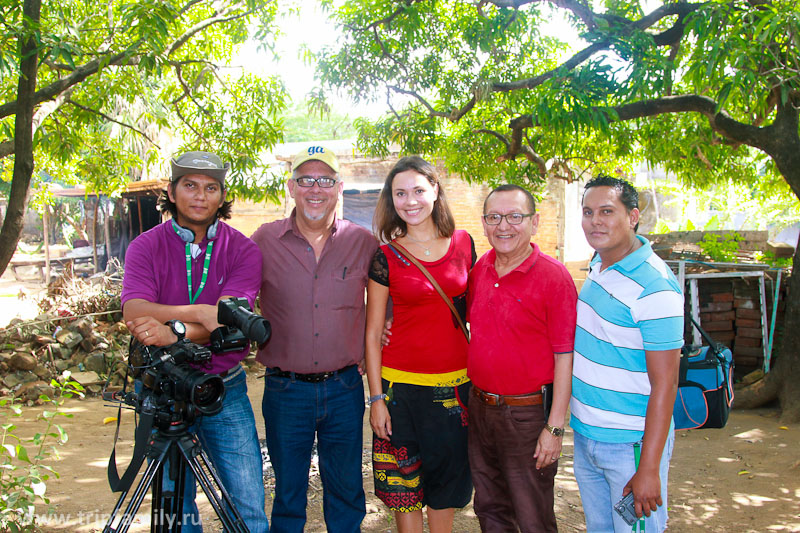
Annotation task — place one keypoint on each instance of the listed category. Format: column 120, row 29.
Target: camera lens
column 207, row 393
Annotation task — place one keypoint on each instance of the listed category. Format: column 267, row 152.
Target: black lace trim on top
column 379, row 272
column 379, row 269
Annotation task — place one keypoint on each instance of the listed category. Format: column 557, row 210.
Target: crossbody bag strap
column 397, row 248
column 637, row 454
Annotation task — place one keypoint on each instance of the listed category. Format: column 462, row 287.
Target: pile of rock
column 33, row 353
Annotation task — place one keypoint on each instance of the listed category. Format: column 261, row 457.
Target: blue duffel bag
column 705, row 386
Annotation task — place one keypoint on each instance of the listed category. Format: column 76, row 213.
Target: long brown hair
column 387, row 224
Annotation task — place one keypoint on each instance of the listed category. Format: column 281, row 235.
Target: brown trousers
column 510, row 494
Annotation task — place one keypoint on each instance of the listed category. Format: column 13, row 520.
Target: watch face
column 179, row 327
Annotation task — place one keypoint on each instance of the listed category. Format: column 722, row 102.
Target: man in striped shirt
column 625, row 372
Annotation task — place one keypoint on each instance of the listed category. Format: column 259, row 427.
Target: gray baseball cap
column 204, row 163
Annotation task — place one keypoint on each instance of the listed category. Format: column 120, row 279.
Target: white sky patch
column 314, row 29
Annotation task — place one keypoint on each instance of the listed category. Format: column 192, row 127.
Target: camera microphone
column 239, row 326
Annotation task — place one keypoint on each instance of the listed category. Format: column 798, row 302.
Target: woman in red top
column 418, row 383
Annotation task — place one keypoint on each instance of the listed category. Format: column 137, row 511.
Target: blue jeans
column 333, row 411
column 231, row 442
column 602, row 470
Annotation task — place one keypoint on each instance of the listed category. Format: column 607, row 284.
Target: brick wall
column 248, row 216
column 465, row 200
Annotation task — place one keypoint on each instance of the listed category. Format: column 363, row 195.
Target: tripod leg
column 167, row 505
column 205, row 474
column 150, row 473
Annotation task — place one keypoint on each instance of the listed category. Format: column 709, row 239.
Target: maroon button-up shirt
column 316, row 308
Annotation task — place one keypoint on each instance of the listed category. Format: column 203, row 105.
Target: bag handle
column 398, row 249
column 713, row 345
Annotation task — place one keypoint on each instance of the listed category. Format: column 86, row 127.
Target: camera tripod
column 182, row 449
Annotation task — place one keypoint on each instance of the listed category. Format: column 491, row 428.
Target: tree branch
column 419, row 98
column 386, row 21
column 188, row 125
column 127, row 57
column 502, row 138
column 77, row 76
column 579, row 10
column 515, row 147
column 111, row 119
column 200, row 26
column 571, row 63
column 667, row 37
column 720, row 121
column 187, row 91
column 6, row 148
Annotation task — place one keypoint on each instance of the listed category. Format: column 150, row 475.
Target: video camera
column 169, row 374
column 165, row 372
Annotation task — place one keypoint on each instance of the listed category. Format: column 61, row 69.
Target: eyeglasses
column 494, row 219
column 324, row 182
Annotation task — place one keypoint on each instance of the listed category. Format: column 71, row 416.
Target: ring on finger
column 146, row 333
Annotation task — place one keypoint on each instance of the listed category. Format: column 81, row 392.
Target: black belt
column 308, row 378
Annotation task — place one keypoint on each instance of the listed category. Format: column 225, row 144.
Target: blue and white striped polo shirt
column 632, row 306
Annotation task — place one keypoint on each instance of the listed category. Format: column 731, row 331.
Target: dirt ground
column 743, row 478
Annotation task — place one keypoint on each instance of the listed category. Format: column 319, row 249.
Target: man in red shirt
column 522, row 319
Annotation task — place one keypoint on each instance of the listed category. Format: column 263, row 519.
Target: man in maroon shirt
column 522, row 320
column 312, row 292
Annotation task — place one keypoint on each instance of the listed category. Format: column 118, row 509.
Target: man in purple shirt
column 179, row 270
column 312, row 292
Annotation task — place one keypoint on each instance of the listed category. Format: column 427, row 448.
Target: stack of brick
column 716, row 310
column 717, row 316
column 748, row 349
column 730, row 311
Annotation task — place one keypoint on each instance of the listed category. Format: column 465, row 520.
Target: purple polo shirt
column 155, row 270
column 316, row 308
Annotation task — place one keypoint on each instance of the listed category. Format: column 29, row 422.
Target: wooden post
column 127, row 203
column 94, row 233
column 139, row 208
column 45, row 224
column 107, row 229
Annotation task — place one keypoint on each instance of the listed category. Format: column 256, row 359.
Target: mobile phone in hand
column 626, row 510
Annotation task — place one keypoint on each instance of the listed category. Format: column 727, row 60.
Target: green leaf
column 22, row 454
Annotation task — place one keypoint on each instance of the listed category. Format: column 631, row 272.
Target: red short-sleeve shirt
column 427, row 344
column 518, row 322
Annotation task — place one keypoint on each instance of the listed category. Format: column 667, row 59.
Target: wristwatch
column 178, row 328
column 557, row 432
column 373, row 399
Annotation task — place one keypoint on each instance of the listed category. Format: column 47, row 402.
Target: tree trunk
column 783, row 380
column 23, row 136
column 788, row 366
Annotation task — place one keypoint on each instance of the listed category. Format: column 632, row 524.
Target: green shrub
column 23, row 476
column 722, row 251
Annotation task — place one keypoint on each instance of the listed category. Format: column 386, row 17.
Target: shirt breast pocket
column 347, row 290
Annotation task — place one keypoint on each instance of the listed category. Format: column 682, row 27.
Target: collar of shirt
column 629, row 262
column 523, row 267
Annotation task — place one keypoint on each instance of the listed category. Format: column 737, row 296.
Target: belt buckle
column 490, row 398
column 318, row 378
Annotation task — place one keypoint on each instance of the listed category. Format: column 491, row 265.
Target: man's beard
column 313, row 218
